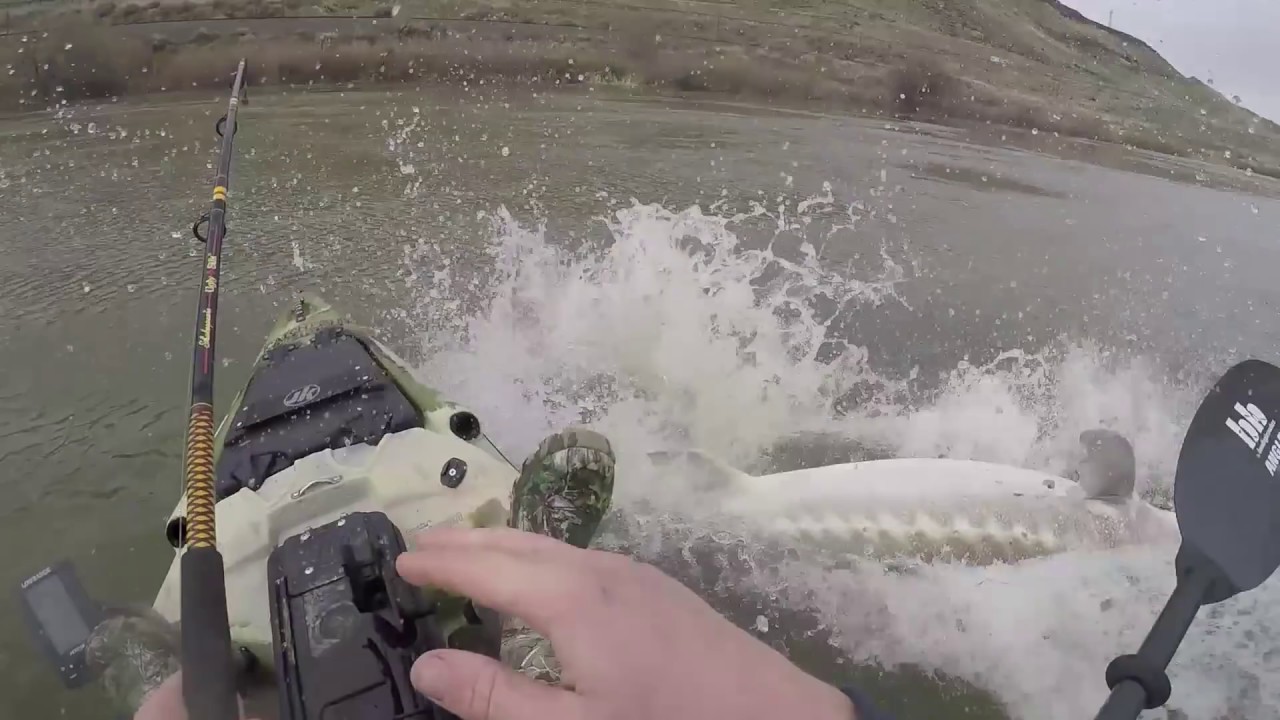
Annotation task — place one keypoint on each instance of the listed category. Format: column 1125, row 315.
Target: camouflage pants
column 564, row 491
column 135, row 651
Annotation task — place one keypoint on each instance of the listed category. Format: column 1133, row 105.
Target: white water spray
column 677, row 332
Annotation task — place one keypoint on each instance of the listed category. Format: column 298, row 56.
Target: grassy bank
column 872, row 64
column 87, row 60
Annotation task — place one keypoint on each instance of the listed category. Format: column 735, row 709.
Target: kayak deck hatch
column 323, row 393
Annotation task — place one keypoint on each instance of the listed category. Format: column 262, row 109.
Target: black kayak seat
column 327, row 392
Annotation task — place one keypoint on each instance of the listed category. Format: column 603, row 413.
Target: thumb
column 476, row 687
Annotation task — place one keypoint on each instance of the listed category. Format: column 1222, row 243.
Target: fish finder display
column 60, row 616
column 57, row 614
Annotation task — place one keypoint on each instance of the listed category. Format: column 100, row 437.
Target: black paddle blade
column 1227, row 489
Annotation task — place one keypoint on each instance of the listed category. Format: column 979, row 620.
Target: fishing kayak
column 332, row 422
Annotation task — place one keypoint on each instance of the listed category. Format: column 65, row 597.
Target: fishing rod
column 208, row 668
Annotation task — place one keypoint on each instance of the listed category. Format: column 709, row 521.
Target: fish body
column 931, row 510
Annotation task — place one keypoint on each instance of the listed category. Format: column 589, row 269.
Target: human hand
column 634, row 643
column 165, row 702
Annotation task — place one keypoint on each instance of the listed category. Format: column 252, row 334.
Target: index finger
column 497, row 539
column 537, row 579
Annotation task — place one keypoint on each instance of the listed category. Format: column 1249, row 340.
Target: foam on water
column 659, row 342
column 1040, row 632
column 677, row 331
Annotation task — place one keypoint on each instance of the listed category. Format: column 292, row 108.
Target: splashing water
column 677, row 330
column 1040, row 633
column 1028, row 409
column 299, row 262
column 673, row 328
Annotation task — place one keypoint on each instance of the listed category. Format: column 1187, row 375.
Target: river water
column 676, row 274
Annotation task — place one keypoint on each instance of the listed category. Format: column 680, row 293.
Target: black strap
column 1154, row 680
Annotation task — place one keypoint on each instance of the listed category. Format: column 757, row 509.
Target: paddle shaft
column 1128, row 698
column 208, row 669
column 1226, row 498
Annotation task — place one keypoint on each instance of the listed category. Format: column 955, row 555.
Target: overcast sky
column 1232, row 42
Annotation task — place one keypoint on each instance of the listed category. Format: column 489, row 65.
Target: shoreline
column 1186, row 171
column 83, row 56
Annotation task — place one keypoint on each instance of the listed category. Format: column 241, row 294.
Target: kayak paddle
column 208, row 686
column 1227, row 500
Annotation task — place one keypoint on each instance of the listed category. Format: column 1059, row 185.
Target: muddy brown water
column 1007, row 249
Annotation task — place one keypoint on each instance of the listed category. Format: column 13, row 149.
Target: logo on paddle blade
column 1249, row 425
column 302, row 395
column 1255, row 430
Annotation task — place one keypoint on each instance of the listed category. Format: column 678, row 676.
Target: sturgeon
column 937, row 510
